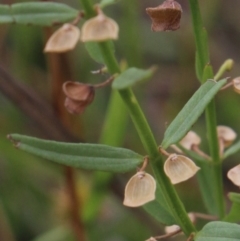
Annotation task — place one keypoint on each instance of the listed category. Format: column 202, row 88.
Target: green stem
column 207, row 73
column 89, row 8
column 149, row 144
column 200, row 36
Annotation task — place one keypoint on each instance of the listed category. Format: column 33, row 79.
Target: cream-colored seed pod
column 63, row 40
column 179, row 168
column 171, row 229
column 234, row 175
column 227, row 134
column 174, row 228
column 139, row 190
column 190, row 139
column 236, row 84
column 99, row 28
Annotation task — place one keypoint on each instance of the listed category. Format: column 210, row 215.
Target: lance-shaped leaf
column 86, row 156
column 131, row 76
column 219, row 231
column 191, row 112
column 234, row 214
column 42, row 13
column 5, row 14
column 95, row 52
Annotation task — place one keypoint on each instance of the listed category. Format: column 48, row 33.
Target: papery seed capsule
column 236, row 84
column 99, row 28
column 190, row 139
column 179, row 168
column 227, row 134
column 139, row 190
column 174, row 228
column 165, row 17
column 234, row 175
column 171, row 229
column 64, row 39
column 79, row 96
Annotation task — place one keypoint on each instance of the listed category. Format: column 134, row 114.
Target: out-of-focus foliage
column 33, row 200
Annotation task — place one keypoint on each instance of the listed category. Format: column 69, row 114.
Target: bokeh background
column 34, row 203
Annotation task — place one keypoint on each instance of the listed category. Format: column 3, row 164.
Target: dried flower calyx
column 226, row 135
column 64, row 39
column 179, row 168
column 78, row 96
column 191, row 139
column 165, row 17
column 236, row 84
column 99, row 28
column 234, row 175
column 139, row 190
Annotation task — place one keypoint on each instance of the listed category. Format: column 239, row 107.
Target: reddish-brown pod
column 78, row 96
column 165, row 17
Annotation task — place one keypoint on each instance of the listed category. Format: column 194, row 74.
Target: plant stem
column 210, row 112
column 149, row 143
column 200, row 36
column 72, row 194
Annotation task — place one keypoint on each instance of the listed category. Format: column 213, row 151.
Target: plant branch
column 149, row 144
column 210, row 112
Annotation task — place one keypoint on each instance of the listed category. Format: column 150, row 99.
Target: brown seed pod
column 234, row 175
column 236, row 84
column 99, row 28
column 139, row 190
column 63, row 40
column 165, row 17
column 79, row 96
column 190, row 139
column 179, row 168
column 226, row 134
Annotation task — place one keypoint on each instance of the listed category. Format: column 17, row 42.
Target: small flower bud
column 79, row 96
column 234, row 175
column 236, row 84
column 165, row 17
column 190, row 139
column 179, row 168
column 63, row 40
column 99, row 28
column 139, row 190
column 227, row 134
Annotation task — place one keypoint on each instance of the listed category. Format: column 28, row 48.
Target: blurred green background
column 33, row 199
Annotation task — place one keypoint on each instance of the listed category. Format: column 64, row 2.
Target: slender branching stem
column 207, row 73
column 148, row 142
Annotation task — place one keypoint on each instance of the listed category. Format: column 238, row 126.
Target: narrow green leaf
column 95, row 52
column 232, row 150
column 131, row 76
column 5, row 14
column 191, row 112
column 105, row 3
column 42, row 13
column 207, row 188
column 198, row 67
column 219, row 231
column 234, row 214
column 86, row 156
column 159, row 209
